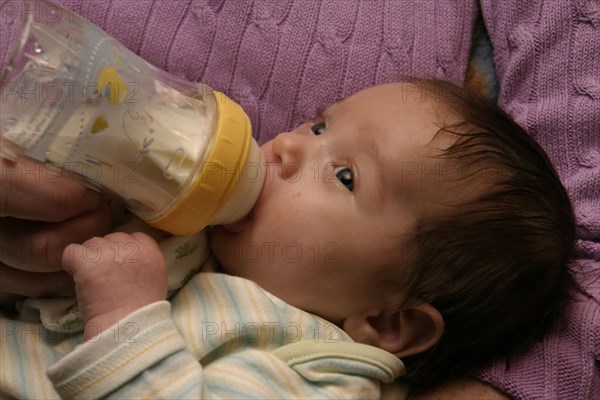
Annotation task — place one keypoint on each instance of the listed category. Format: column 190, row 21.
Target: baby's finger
column 72, row 257
column 76, row 257
column 115, row 237
column 125, row 248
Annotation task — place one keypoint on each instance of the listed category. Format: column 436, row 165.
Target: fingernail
column 90, row 201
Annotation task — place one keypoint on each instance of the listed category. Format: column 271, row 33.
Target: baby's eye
column 345, row 175
column 318, row 129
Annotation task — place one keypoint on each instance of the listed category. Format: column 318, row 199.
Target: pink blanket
column 285, row 60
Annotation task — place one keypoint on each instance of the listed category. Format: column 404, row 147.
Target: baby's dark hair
column 494, row 266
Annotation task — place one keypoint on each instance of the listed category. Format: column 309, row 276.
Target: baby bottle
column 179, row 155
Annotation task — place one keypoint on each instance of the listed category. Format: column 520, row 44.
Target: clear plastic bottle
column 179, row 155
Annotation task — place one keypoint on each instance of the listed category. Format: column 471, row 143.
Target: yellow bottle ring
column 218, row 175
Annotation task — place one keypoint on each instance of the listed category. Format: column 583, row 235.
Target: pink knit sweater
column 285, row 60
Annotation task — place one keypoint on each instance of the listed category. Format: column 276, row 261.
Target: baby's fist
column 114, row 276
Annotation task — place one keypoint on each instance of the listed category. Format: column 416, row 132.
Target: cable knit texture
column 286, row 60
column 547, row 55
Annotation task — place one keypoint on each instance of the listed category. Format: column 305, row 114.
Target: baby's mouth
column 237, row 226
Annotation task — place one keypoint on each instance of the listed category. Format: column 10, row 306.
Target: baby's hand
column 114, row 276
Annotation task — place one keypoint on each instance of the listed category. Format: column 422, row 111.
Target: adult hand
column 42, row 210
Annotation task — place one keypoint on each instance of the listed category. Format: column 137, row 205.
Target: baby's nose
column 290, row 147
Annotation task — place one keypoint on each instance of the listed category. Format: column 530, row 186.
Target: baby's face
column 341, row 191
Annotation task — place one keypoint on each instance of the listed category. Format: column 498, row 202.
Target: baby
column 411, row 230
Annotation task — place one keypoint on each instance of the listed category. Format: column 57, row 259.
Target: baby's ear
column 411, row 330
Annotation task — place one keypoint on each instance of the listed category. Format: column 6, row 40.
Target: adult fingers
column 38, row 246
column 15, row 283
column 35, row 191
column 8, row 299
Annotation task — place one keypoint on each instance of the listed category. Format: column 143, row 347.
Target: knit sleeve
column 547, row 55
column 144, row 356
column 117, row 360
